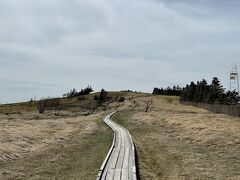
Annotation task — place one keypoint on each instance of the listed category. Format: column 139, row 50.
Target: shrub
column 42, row 105
column 95, row 98
column 103, row 96
column 75, row 93
column 121, row 99
column 81, row 98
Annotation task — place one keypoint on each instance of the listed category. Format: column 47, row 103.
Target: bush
column 103, row 97
column 121, row 99
column 81, row 98
column 42, row 105
column 95, row 98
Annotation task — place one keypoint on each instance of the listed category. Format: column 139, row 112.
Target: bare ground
column 183, row 142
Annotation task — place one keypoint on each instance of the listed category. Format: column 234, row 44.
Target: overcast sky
column 48, row 47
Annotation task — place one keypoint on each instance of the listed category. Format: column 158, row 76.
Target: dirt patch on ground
column 182, row 142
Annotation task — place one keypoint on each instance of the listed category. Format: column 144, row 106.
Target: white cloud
column 117, row 44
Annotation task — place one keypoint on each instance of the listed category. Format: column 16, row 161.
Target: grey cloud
column 118, row 44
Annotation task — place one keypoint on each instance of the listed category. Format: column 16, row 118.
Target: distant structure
column 234, row 79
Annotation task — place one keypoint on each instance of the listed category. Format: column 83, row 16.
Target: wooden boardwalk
column 120, row 161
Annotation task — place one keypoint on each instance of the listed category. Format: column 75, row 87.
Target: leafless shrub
column 55, row 103
column 42, row 105
column 49, row 103
column 30, row 102
column 148, row 105
column 92, row 109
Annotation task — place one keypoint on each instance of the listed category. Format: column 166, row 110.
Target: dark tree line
column 75, row 93
column 209, row 93
column 103, row 97
column 174, row 91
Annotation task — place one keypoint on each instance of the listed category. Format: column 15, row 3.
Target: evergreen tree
column 75, row 93
column 103, row 96
column 232, row 97
column 216, row 92
column 213, row 93
column 191, row 91
column 174, row 91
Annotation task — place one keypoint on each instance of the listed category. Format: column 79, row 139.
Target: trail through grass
column 181, row 142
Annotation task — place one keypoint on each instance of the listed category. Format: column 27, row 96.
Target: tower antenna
column 234, row 79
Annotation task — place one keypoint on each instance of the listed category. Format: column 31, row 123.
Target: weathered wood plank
column 113, row 162
column 124, row 174
column 126, row 159
column 110, row 174
column 120, row 164
column 117, row 174
column 120, row 158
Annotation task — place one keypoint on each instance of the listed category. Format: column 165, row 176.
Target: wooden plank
column 120, row 165
column 110, row 174
column 130, row 173
column 133, row 155
column 113, row 162
column 134, row 173
column 118, row 141
column 117, row 174
column 124, row 174
column 127, row 140
column 123, row 138
column 126, row 158
column 120, row 158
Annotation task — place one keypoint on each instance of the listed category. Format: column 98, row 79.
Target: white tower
column 234, row 81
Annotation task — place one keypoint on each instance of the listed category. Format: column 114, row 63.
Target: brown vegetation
column 67, row 148
column 71, row 145
column 183, row 142
column 173, row 141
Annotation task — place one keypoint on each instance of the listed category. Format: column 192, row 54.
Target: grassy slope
column 68, row 146
column 173, row 141
column 179, row 142
column 64, row 103
column 78, row 157
column 29, row 107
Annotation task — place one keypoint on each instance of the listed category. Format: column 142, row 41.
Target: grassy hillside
column 71, row 148
column 83, row 102
column 174, row 141
column 68, row 146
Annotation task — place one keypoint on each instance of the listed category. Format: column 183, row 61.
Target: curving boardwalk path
column 120, row 161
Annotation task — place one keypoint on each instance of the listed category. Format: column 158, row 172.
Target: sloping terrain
column 174, row 141
column 71, row 145
column 70, row 148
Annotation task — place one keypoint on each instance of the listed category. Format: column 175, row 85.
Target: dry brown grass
column 45, row 146
column 173, row 141
column 183, row 142
column 20, row 138
column 69, row 148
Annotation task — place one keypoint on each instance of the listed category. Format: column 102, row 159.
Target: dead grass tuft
column 183, row 142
